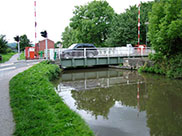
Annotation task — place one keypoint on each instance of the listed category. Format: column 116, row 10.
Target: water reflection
column 164, row 106
column 116, row 102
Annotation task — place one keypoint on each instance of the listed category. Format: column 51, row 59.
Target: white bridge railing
column 99, row 52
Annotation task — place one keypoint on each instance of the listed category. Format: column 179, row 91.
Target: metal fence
column 102, row 52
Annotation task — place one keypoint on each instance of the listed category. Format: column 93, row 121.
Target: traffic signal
column 44, row 34
column 17, row 38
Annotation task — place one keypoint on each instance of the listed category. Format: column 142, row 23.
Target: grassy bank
column 6, row 57
column 38, row 110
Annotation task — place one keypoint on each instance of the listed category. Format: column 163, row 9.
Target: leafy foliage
column 69, row 37
column 24, row 42
column 38, row 110
column 57, row 43
column 124, row 28
column 165, row 28
column 165, row 33
column 3, row 44
column 90, row 24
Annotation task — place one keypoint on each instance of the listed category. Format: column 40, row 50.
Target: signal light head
column 17, row 38
column 44, row 34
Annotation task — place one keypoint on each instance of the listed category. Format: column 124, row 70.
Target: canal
column 124, row 103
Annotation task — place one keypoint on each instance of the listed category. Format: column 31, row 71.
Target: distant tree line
column 4, row 48
column 97, row 23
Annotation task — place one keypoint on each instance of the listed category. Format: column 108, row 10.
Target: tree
column 57, row 43
column 165, row 34
column 69, row 37
column 165, row 28
column 90, row 24
column 124, row 28
column 3, row 44
column 24, row 42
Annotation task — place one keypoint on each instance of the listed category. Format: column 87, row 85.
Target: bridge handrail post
column 142, row 51
column 84, row 53
column 128, row 51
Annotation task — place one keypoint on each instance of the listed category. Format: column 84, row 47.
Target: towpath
column 7, row 71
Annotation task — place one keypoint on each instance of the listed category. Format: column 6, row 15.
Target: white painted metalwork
column 103, row 52
column 51, row 54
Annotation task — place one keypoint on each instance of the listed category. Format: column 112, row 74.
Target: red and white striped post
column 35, row 21
column 139, row 24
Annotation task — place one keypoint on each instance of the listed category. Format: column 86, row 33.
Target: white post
column 19, row 49
column 59, row 50
column 46, row 49
column 84, row 53
column 142, row 51
column 85, row 84
column 128, row 51
column 51, row 54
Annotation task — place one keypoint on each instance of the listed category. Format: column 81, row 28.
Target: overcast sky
column 17, row 16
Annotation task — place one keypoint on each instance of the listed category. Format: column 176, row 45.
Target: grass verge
column 7, row 56
column 22, row 56
column 38, row 110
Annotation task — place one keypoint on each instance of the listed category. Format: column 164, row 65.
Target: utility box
column 30, row 52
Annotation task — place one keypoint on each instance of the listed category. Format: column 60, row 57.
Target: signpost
column 44, row 34
column 17, row 39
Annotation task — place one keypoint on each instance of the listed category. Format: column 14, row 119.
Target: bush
column 8, row 50
column 175, row 67
column 171, row 67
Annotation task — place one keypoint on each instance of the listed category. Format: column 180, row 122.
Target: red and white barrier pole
column 35, row 21
column 139, row 24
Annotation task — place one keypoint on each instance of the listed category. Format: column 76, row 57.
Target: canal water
column 124, row 103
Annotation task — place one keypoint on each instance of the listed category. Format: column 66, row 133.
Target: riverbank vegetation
column 38, row 110
column 165, row 34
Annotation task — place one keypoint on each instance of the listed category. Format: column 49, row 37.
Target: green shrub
column 171, row 67
column 175, row 64
column 8, row 50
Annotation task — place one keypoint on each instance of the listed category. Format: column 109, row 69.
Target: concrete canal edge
column 37, row 108
column 133, row 63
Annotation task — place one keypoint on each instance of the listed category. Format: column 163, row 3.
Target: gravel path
column 6, row 118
